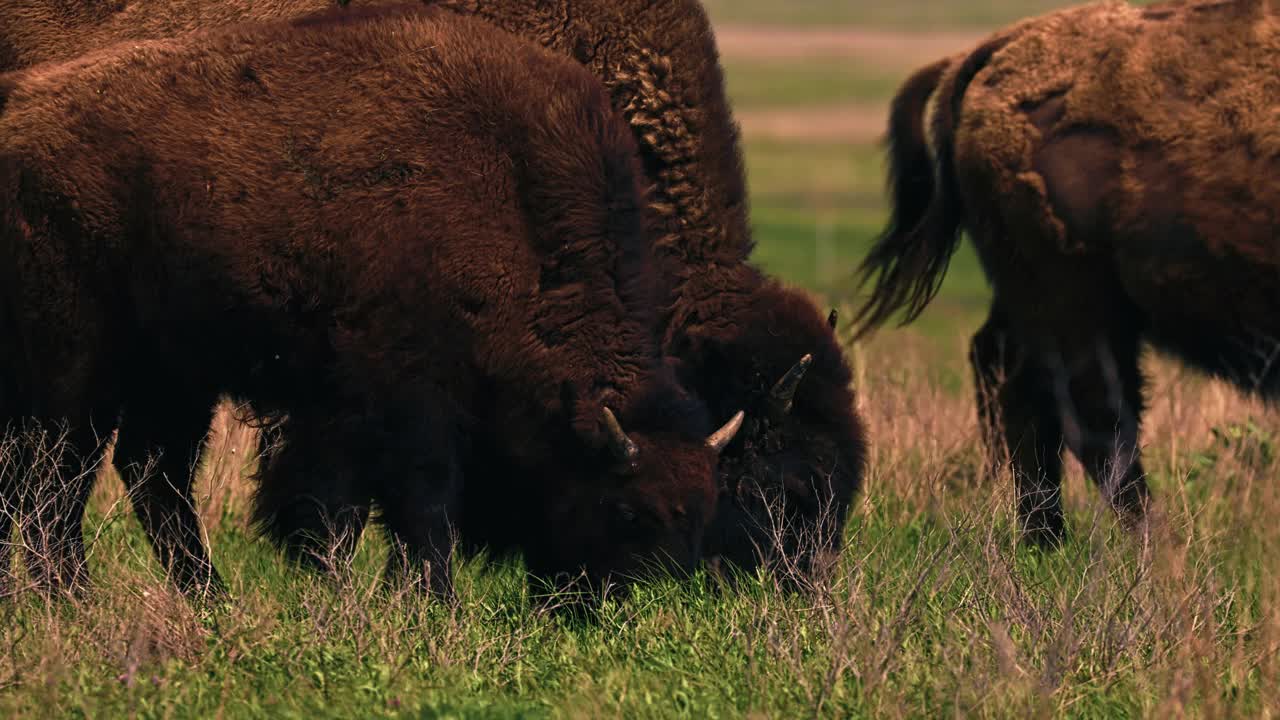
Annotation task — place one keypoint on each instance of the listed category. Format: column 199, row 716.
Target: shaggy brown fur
column 393, row 226
column 733, row 330
column 1113, row 166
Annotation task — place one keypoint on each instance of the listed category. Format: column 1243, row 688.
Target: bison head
column 789, row 478
column 642, row 506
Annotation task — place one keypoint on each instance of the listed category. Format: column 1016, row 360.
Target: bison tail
column 909, row 259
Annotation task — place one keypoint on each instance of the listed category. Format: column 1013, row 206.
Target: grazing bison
column 1113, row 166
column 732, row 333
column 402, row 228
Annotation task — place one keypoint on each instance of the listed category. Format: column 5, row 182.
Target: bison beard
column 408, row 233
column 733, row 331
column 1106, row 161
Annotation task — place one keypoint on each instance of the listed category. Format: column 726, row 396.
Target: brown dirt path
column 851, row 123
column 883, row 47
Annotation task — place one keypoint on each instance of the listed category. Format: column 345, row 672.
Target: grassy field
column 933, row 610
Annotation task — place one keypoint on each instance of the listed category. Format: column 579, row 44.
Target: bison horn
column 624, row 449
column 832, row 318
column 721, row 438
column 782, row 394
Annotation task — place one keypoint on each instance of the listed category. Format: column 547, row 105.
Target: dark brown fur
column 404, row 230
column 1111, row 165
column 733, row 330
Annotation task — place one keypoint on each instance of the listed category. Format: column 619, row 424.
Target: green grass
column 931, row 612
column 816, row 176
column 755, row 84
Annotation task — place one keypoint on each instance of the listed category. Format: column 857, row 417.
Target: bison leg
column 156, row 452
column 991, row 354
column 1101, row 412
column 9, row 428
column 1089, row 400
column 1020, row 422
column 8, row 506
column 308, row 501
column 53, row 502
column 322, row 533
column 6, row 557
column 16, row 481
column 6, row 530
column 419, row 515
column 1033, row 436
column 63, row 434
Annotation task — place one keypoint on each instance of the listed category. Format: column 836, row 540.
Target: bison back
column 277, row 192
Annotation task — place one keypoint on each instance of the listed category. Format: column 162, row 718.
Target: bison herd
column 484, row 267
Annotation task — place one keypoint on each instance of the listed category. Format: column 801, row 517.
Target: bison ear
column 721, row 438
column 784, row 392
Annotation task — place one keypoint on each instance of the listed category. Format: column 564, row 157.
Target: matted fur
column 394, row 226
column 733, row 330
column 1113, row 165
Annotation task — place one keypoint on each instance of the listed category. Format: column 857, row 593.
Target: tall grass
column 933, row 609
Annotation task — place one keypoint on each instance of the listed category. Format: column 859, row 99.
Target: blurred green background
column 908, row 14
column 810, row 81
